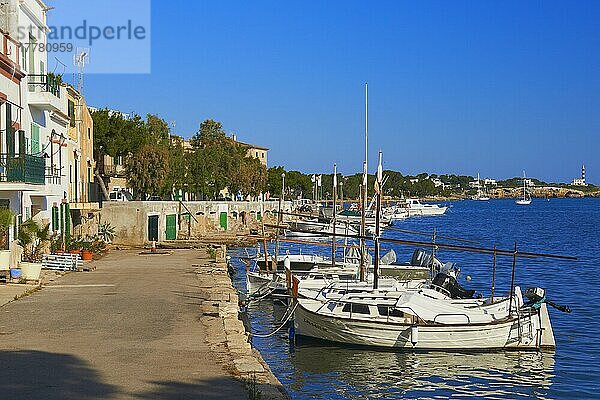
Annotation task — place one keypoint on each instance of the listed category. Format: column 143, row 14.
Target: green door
column 223, row 220
column 172, row 227
column 153, row 228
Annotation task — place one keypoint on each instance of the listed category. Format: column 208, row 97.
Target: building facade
column 81, row 150
column 38, row 144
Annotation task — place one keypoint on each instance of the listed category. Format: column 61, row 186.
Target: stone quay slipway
column 137, row 327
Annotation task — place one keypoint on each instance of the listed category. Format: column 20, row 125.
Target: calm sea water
column 317, row 370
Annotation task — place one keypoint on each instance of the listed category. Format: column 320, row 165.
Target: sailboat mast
column 379, row 188
column 363, row 247
column 334, row 214
column 524, row 190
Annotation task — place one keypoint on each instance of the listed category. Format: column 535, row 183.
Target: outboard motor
column 536, row 296
column 450, row 284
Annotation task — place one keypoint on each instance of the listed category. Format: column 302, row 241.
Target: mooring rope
column 285, row 321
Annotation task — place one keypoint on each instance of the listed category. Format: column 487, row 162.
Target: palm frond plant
column 7, row 219
column 34, row 239
column 106, row 232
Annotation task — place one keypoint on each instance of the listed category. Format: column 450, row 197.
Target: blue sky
column 455, row 86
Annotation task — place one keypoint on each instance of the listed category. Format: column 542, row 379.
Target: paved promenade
column 131, row 329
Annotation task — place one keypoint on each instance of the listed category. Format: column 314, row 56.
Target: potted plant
column 73, row 245
column 34, row 239
column 98, row 245
column 87, row 250
column 7, row 218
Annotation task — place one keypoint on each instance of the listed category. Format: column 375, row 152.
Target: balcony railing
column 44, row 83
column 22, row 168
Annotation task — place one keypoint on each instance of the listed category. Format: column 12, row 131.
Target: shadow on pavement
column 212, row 389
column 42, row 375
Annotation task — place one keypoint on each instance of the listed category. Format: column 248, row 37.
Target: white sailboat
column 426, row 319
column 526, row 200
column 481, row 193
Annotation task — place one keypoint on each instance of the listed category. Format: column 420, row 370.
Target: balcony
column 22, row 168
column 45, row 92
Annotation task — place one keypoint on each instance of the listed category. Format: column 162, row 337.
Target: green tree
column 178, row 176
column 211, row 132
column 157, row 130
column 147, row 171
column 274, row 180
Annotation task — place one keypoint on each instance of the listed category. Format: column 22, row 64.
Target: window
column 24, row 57
column 388, row 311
column 72, row 113
column 89, row 133
column 263, row 155
column 356, row 308
column 31, row 68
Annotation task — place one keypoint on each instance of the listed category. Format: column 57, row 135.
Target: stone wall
column 131, row 219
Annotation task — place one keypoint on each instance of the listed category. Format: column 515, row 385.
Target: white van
column 120, row 195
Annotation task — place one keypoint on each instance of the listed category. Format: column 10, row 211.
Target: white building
column 437, row 182
column 33, row 115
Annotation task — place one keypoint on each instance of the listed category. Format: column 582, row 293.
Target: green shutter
column 10, row 139
column 55, row 224
column 67, row 220
column 35, row 139
column 22, row 143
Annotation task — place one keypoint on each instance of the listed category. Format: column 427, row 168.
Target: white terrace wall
column 134, row 221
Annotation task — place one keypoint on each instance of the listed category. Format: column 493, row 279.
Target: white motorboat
column 298, row 262
column 313, row 228
column 526, row 199
column 396, row 212
column 416, row 208
column 428, row 318
column 322, row 273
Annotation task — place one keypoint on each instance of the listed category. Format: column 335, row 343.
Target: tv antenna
column 80, row 59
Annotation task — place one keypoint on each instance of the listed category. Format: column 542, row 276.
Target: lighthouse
column 580, row 181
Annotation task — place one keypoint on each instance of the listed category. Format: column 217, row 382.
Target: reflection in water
column 321, row 370
column 382, row 374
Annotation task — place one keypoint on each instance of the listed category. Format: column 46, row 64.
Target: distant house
column 437, row 182
column 490, row 182
column 254, row 150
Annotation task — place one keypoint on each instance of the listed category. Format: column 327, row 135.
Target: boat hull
column 499, row 335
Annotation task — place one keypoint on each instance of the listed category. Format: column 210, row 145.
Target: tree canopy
column 157, row 163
